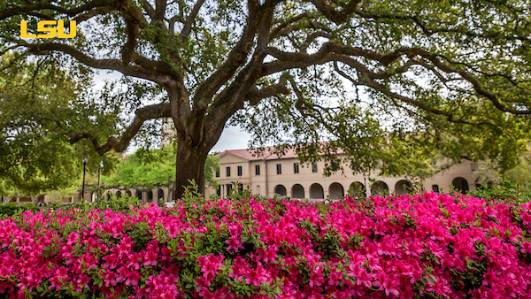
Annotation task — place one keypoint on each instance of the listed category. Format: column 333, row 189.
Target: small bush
column 123, row 203
column 11, row 208
column 506, row 191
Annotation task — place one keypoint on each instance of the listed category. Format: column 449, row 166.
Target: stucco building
column 269, row 174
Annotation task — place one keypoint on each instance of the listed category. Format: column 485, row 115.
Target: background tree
column 38, row 111
column 453, row 75
column 155, row 167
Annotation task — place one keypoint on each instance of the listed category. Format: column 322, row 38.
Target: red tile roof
column 268, row 153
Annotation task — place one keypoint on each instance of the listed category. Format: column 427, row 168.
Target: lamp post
column 83, row 184
column 99, row 175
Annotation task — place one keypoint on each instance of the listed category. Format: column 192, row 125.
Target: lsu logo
column 49, row 29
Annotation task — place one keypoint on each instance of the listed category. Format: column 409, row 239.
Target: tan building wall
column 316, row 185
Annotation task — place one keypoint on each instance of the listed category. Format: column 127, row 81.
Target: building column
column 266, row 187
column 367, row 184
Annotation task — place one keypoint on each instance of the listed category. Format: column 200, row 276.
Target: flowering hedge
column 430, row 245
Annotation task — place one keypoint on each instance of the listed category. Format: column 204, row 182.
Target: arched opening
column 435, row 188
column 460, row 184
column 297, row 191
column 138, row 194
column 129, row 193
column 149, row 195
column 280, row 190
column 336, row 191
column 379, row 188
column 108, row 195
column 118, row 194
column 228, row 187
column 357, row 189
column 160, row 194
column 403, row 187
column 41, row 202
column 316, row 191
column 171, row 194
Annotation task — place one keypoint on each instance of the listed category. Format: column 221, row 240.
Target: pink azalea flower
column 210, row 264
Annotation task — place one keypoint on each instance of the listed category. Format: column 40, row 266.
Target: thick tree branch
column 109, row 64
column 329, row 50
column 120, row 144
column 365, row 79
column 235, row 58
column 128, row 48
column 150, row 11
column 281, row 28
column 429, row 30
column 16, row 10
column 478, row 87
column 330, row 11
column 255, row 95
column 160, row 10
column 246, row 78
column 189, row 22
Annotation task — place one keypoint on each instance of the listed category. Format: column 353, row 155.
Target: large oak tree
column 454, row 74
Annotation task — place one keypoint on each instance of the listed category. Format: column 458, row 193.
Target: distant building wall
column 272, row 175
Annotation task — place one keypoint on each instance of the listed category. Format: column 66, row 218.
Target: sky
column 232, row 138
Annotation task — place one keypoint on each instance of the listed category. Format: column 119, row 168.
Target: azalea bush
column 428, row 246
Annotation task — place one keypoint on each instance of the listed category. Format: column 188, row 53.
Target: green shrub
column 117, row 204
column 12, row 208
column 123, row 203
column 506, row 191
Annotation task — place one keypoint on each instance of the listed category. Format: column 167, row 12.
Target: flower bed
column 428, row 245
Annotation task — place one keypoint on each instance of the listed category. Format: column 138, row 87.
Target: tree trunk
column 190, row 166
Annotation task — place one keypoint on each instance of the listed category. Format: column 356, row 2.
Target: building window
column 257, row 169
column 217, row 172
column 279, row 168
column 227, row 171
column 295, row 167
column 240, row 171
column 314, row 167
